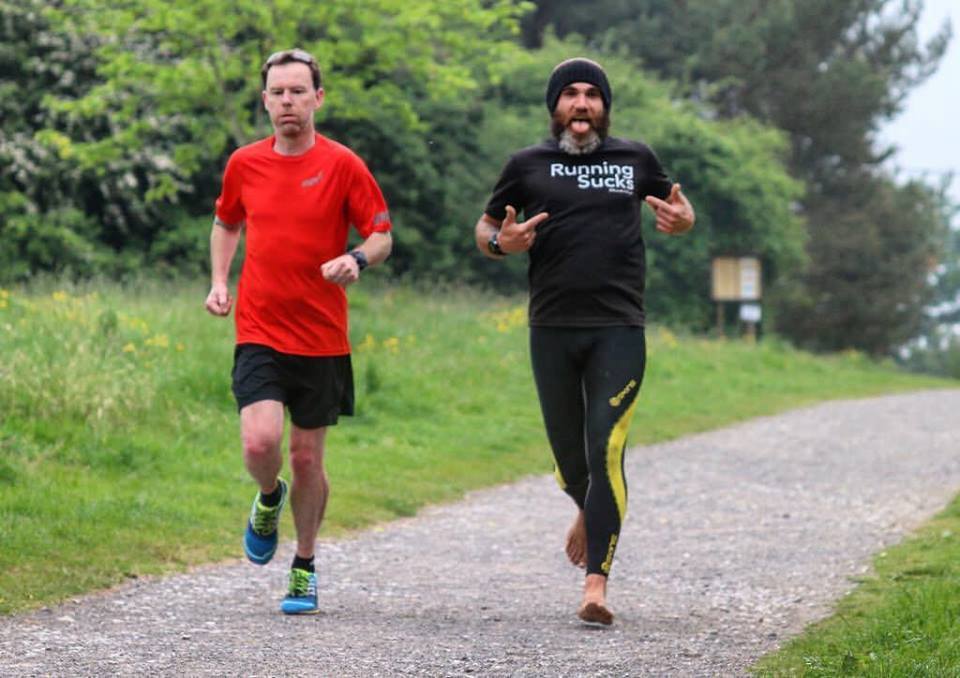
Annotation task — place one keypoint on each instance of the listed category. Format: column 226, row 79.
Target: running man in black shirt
column 582, row 194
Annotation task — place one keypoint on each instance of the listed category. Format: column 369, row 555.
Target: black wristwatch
column 493, row 244
column 361, row 258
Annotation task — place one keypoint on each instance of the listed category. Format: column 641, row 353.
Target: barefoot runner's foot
column 577, row 541
column 592, row 613
column 593, row 609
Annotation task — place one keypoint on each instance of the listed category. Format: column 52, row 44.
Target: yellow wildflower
column 129, row 348
column 667, row 338
column 509, row 319
column 136, row 324
column 368, row 343
column 158, row 341
column 392, row 344
column 59, row 295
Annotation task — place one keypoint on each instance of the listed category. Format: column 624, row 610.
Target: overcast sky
column 926, row 132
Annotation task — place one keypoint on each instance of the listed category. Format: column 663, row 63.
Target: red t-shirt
column 297, row 211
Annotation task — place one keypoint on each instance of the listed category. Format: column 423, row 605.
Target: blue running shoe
column 302, row 596
column 260, row 539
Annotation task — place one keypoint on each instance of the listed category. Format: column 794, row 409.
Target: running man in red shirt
column 295, row 194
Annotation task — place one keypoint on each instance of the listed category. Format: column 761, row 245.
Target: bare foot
column 592, row 613
column 577, row 541
column 593, row 609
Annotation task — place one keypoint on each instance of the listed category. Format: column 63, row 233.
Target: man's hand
column 516, row 237
column 675, row 214
column 341, row 271
column 219, row 302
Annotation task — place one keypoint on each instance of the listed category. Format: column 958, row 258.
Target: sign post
column 738, row 279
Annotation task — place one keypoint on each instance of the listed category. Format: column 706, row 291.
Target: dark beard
column 570, row 145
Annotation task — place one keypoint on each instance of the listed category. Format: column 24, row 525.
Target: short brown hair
column 287, row 56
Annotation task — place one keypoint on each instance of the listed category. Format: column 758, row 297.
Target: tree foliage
column 118, row 118
column 168, row 89
column 936, row 348
column 871, row 262
column 45, row 223
column 828, row 74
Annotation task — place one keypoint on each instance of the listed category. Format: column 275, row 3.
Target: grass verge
column 901, row 620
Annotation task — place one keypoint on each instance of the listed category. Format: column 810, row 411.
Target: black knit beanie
column 577, row 70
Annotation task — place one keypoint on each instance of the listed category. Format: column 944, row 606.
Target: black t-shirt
column 587, row 263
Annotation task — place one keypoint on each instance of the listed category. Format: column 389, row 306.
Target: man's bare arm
column 376, row 248
column 345, row 269
column 224, row 239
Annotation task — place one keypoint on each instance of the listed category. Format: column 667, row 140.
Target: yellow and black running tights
column 588, row 379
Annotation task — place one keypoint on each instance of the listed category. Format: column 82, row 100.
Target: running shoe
column 302, row 595
column 260, row 539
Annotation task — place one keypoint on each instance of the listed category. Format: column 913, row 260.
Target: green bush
column 61, row 241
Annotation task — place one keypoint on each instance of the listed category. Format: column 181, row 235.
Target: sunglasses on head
column 291, row 55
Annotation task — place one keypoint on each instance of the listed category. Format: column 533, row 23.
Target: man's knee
column 306, row 459
column 260, row 444
column 261, row 429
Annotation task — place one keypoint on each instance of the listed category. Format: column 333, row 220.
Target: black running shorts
column 316, row 390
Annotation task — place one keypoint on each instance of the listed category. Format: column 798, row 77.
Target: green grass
column 902, row 620
column 119, row 445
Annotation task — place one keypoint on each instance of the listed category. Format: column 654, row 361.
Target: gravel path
column 735, row 540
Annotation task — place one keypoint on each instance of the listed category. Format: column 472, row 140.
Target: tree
column 170, row 88
column 867, row 286
column 828, row 74
column 937, row 348
column 43, row 224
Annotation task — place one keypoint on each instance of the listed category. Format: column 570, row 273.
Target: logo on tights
column 617, row 399
column 605, row 565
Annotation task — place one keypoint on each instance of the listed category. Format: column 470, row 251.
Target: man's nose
column 286, row 98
